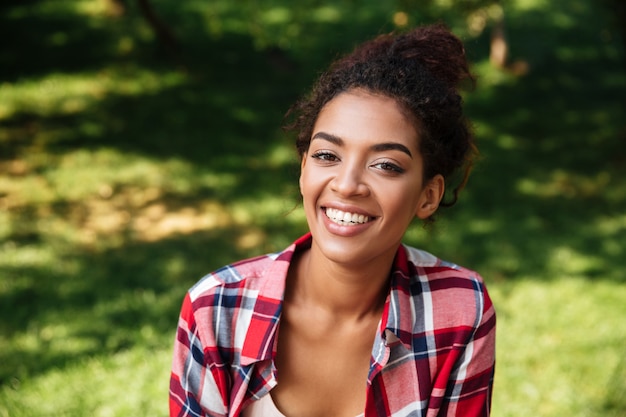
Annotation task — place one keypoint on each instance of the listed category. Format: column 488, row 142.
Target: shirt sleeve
column 470, row 384
column 198, row 382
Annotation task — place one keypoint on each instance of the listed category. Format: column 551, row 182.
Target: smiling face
column 362, row 181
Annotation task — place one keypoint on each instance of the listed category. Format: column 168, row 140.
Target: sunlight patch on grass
column 219, row 18
column 88, row 195
column 156, row 222
column 612, row 225
column 281, row 155
column 65, row 94
column 326, row 14
column 566, row 261
column 254, row 216
column 87, row 8
column 5, row 222
column 558, row 344
column 32, row 189
column 94, row 8
column 58, row 338
column 276, row 16
column 84, row 173
column 482, row 226
column 247, row 211
column 527, row 5
column 127, row 383
column 24, row 256
column 567, row 184
column 507, row 142
column 491, row 76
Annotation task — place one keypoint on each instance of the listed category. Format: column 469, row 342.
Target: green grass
column 560, row 348
column 127, row 172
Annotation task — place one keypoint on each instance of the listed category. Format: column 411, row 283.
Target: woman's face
column 361, row 179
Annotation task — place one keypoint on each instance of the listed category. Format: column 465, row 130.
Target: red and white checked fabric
column 434, row 353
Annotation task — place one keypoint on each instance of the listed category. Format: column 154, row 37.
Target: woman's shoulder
column 241, row 273
column 265, row 272
column 457, row 294
column 421, row 264
column 449, row 286
column 234, row 291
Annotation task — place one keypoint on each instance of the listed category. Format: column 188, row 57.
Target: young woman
column 348, row 321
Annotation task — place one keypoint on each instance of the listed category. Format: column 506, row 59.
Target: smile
column 344, row 218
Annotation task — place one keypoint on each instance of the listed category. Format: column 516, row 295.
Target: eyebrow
column 379, row 147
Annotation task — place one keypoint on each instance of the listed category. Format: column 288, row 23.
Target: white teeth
column 345, row 218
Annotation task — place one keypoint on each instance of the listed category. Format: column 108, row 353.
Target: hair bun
column 434, row 47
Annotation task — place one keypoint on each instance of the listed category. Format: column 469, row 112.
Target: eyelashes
column 389, row 166
column 385, row 166
column 325, row 156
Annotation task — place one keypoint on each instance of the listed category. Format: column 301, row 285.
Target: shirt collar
column 397, row 319
column 259, row 343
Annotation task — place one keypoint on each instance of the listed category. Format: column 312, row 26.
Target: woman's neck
column 345, row 292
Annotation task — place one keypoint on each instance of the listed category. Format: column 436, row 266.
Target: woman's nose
column 350, row 181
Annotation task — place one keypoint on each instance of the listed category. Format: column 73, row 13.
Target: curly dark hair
column 422, row 70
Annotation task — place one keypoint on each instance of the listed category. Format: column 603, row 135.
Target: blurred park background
column 141, row 147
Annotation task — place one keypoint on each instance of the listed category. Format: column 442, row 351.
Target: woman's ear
column 431, row 197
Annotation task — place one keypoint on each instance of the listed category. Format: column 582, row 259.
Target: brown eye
column 388, row 166
column 324, row 156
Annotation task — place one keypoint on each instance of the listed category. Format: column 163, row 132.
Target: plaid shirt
column 433, row 355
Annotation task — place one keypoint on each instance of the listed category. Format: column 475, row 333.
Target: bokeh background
column 141, row 147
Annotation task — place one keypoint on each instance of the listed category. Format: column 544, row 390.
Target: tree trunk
column 164, row 34
column 499, row 48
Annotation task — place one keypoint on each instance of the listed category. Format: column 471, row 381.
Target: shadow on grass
column 39, row 37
